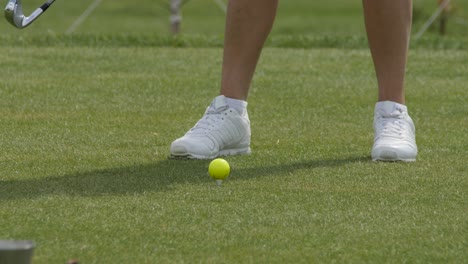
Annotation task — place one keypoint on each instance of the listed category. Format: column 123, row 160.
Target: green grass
column 87, row 119
column 304, row 17
column 85, row 137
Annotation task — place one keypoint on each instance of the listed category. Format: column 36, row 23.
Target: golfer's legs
column 388, row 24
column 248, row 24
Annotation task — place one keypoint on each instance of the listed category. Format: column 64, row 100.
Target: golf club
column 14, row 13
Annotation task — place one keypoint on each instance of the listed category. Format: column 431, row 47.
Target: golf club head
column 14, row 13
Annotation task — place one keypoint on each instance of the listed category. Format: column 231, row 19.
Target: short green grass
column 85, row 137
column 204, row 17
column 86, row 121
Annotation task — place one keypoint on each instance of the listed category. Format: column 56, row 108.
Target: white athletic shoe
column 394, row 138
column 222, row 131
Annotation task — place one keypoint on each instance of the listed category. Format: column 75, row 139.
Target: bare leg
column 248, row 24
column 388, row 24
column 222, row 131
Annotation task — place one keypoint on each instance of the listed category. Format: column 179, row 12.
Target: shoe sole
column 393, row 160
column 391, row 156
column 222, row 153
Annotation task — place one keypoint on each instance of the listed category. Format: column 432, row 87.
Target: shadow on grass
column 138, row 179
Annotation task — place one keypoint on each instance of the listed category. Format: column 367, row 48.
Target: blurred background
column 206, row 17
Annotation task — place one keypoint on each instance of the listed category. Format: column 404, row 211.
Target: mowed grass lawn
column 85, row 136
column 205, row 17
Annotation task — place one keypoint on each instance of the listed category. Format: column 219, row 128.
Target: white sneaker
column 221, row 131
column 394, row 138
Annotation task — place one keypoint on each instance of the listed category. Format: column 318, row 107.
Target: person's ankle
column 239, row 105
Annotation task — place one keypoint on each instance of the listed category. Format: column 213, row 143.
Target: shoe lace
column 212, row 119
column 392, row 125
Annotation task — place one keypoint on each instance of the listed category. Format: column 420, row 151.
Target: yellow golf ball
column 219, row 169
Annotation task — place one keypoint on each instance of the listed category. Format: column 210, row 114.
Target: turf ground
column 87, row 119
